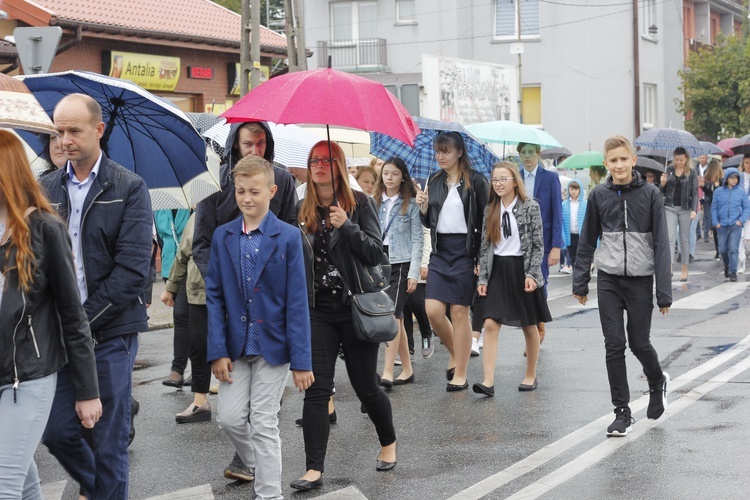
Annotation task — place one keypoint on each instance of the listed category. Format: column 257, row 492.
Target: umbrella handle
column 330, row 155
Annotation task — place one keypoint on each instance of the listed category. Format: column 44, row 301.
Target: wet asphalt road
column 549, row 443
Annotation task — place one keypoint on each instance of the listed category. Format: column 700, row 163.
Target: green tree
column 716, row 89
column 272, row 16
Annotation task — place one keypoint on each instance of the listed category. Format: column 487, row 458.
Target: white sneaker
column 474, row 347
column 741, row 268
column 398, row 361
column 480, row 342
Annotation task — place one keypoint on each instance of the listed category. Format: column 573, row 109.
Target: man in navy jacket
column 108, row 212
column 544, row 186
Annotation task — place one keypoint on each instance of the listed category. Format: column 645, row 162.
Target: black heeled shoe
column 402, row 381
column 385, row 383
column 305, row 485
column 527, row 387
column 483, row 389
column 456, row 388
column 383, row 466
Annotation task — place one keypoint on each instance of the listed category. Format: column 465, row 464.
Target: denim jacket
column 407, row 237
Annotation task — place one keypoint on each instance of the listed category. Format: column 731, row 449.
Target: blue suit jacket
column 548, row 193
column 282, row 316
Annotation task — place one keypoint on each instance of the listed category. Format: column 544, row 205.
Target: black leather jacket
column 355, row 248
column 689, row 198
column 44, row 328
column 474, row 200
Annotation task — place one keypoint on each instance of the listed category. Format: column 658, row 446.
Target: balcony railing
column 362, row 54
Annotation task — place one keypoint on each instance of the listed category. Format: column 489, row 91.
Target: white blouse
column 510, row 247
column 451, row 219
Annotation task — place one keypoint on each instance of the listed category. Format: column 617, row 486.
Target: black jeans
column 181, row 333
column 331, row 323
column 414, row 308
column 573, row 249
column 635, row 295
column 198, row 346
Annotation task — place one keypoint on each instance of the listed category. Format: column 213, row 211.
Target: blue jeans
column 22, row 420
column 101, row 469
column 729, row 244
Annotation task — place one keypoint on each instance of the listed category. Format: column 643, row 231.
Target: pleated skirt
column 507, row 302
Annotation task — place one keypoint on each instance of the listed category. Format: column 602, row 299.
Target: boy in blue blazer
column 258, row 322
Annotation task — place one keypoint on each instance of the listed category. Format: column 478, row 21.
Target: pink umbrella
column 727, row 144
column 329, row 97
column 326, row 97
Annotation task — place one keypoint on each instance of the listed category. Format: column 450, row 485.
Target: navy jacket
column 282, row 316
column 220, row 208
column 116, row 243
column 548, row 193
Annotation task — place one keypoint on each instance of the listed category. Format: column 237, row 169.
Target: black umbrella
column 555, row 153
column 660, row 155
column 743, row 145
column 644, row 165
column 735, row 161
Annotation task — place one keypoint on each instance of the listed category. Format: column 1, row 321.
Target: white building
column 578, row 63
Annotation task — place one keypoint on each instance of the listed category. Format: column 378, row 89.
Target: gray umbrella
column 644, row 164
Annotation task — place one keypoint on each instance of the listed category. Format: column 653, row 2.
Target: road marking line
column 552, row 450
column 609, row 446
column 711, row 297
column 348, row 493
column 564, row 292
column 202, row 492
column 54, row 491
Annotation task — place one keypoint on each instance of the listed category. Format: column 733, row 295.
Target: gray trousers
column 681, row 216
column 255, row 392
column 22, row 423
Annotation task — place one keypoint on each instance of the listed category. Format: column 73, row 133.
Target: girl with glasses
column 510, row 272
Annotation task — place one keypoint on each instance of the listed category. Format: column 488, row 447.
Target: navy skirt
column 507, row 302
column 450, row 276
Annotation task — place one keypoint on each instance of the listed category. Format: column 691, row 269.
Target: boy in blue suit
column 545, row 188
column 259, row 323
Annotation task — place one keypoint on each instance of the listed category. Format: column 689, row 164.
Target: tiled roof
column 200, row 18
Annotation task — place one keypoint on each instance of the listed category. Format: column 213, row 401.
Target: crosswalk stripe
column 53, row 491
column 610, row 446
column 552, row 450
column 348, row 493
column 711, row 297
column 202, row 492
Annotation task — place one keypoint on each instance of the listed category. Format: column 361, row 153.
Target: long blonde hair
column 308, row 212
column 20, row 191
column 493, row 211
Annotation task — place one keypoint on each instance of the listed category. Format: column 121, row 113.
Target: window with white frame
column 648, row 18
column 405, row 11
column 649, row 105
column 507, row 17
column 353, row 20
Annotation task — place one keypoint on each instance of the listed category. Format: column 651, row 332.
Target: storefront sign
column 233, row 77
column 149, row 71
column 200, row 72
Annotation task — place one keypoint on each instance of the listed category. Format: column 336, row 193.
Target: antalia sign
column 149, row 71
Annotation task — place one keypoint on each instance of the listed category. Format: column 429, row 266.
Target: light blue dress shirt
column 529, row 180
column 77, row 192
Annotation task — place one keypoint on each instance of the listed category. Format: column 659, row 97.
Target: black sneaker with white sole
column 657, row 401
column 623, row 422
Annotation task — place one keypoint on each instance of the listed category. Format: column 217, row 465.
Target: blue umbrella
column 709, row 148
column 670, row 139
column 143, row 134
column 421, row 158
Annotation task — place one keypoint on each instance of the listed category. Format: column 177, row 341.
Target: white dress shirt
column 451, row 219
column 509, row 246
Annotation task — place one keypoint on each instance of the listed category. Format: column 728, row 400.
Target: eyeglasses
column 500, row 180
column 326, row 162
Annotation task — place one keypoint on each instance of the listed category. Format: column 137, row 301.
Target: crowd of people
column 461, row 253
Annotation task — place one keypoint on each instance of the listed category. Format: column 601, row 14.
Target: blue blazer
column 548, row 193
column 282, row 316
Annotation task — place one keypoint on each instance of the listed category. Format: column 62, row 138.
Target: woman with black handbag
column 343, row 250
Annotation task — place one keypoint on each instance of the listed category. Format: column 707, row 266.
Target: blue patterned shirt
column 249, row 248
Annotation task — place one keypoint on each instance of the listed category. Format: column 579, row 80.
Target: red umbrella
column 326, row 97
column 329, row 97
column 727, row 144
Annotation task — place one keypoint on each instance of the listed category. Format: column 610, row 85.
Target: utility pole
column 295, row 36
column 255, row 43
column 636, row 71
column 245, row 48
column 520, row 52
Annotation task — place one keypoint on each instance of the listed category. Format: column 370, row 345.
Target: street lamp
column 652, row 30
